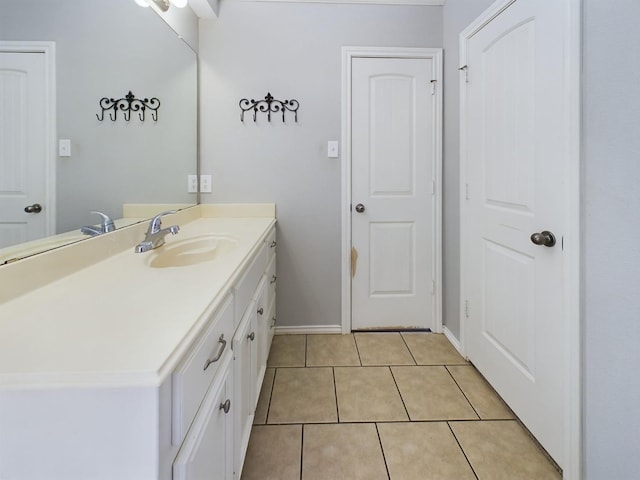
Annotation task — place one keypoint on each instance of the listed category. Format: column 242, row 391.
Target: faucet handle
column 107, row 223
column 156, row 222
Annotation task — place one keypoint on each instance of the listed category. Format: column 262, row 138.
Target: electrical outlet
column 206, row 184
column 192, row 183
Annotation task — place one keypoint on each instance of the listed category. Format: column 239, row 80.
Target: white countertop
column 119, row 321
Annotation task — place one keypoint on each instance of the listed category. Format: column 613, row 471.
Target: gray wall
column 105, row 50
column 292, row 51
column 457, row 15
column 611, row 257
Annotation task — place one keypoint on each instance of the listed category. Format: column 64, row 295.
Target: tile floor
column 383, row 406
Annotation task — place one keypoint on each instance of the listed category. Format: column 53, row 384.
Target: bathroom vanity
column 119, row 365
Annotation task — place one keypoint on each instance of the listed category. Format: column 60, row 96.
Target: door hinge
column 433, row 86
column 465, row 69
column 466, row 308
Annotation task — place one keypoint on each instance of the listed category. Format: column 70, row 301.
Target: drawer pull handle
column 260, row 311
column 226, row 406
column 252, row 336
column 273, row 244
column 217, row 357
column 273, row 279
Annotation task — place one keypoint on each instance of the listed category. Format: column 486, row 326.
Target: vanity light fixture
column 163, row 5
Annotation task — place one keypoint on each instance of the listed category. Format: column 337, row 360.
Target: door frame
column 348, row 53
column 49, row 51
column 572, row 394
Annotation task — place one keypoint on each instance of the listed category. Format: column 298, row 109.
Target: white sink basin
column 192, row 251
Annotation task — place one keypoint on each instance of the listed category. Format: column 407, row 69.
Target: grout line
column 301, row 448
column 357, row 349
column 335, row 393
column 400, row 393
column 384, row 458
column 408, row 348
column 462, row 450
column 273, row 383
column 306, row 346
column 462, row 391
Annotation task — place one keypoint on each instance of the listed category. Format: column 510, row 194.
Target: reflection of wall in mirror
column 105, row 49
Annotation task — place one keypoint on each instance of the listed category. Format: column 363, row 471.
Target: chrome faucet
column 106, row 226
column 155, row 233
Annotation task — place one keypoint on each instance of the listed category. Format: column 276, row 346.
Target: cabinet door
column 207, row 451
column 244, row 353
column 262, row 335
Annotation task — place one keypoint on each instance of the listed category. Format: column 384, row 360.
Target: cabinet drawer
column 271, row 243
column 272, row 325
column 246, row 286
column 207, row 450
column 193, row 377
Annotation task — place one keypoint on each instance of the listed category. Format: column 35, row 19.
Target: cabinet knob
column 226, row 406
column 252, row 336
column 273, row 322
column 260, row 311
column 273, row 279
column 273, row 244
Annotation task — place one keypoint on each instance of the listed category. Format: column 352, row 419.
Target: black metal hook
column 128, row 104
column 269, row 105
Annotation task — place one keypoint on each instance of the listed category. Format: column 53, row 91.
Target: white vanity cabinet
column 208, row 450
column 216, row 442
column 163, row 382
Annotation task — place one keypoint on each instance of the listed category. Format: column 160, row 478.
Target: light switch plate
column 332, row 149
column 64, row 147
column 206, row 184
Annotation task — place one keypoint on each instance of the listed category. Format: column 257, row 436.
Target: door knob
column 35, row 208
column 359, row 208
column 545, row 238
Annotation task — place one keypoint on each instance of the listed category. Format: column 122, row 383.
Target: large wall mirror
column 102, row 49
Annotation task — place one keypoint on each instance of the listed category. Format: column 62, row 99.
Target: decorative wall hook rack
column 269, row 105
column 129, row 104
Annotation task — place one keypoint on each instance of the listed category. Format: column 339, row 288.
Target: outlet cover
column 332, row 149
column 206, row 184
column 192, row 183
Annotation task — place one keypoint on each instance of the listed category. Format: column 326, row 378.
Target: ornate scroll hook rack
column 129, row 104
column 269, row 105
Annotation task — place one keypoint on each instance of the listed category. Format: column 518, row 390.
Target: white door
column 516, row 152
column 393, row 164
column 23, row 146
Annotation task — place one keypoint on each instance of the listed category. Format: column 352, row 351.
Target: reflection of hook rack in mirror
column 269, row 104
column 129, row 104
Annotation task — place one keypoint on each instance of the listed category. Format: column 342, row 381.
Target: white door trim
column 49, row 51
column 349, row 53
column 571, row 268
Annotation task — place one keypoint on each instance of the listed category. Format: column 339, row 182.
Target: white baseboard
column 454, row 341
column 308, row 329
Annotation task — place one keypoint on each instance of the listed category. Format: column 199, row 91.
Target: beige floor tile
column 303, row 395
column 287, row 351
column 429, row 393
column 486, row 402
column 262, row 408
column 331, row 350
column 368, row 394
column 273, row 453
column 342, row 451
column 432, row 349
column 423, row 451
column 500, row 450
column 383, row 349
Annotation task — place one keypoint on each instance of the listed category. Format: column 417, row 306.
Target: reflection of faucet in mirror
column 107, row 225
column 155, row 234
